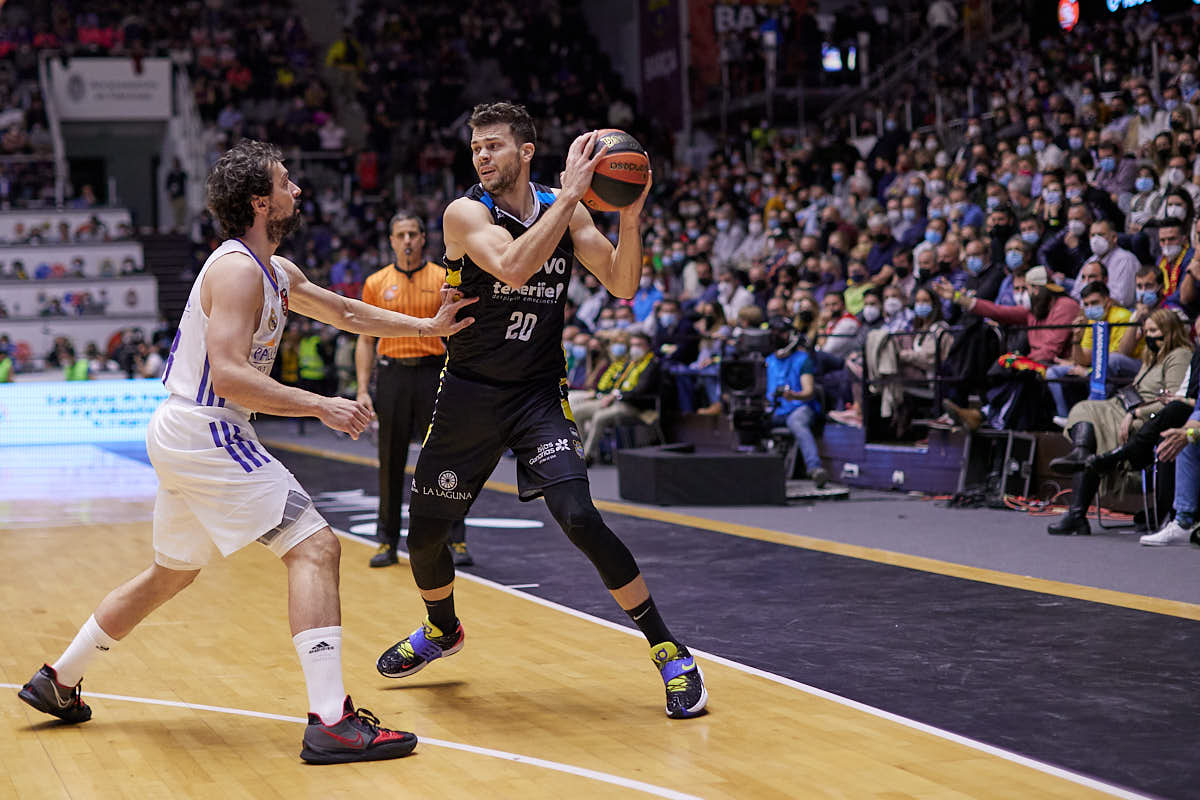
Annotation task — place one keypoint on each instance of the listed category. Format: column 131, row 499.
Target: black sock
column 441, row 614
column 647, row 618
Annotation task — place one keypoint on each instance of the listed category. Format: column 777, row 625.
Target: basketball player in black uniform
column 512, row 244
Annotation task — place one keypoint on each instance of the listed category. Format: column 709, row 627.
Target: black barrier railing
column 938, row 382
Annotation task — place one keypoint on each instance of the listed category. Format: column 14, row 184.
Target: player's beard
column 505, row 179
column 278, row 228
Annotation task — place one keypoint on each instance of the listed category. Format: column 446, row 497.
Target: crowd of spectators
column 964, row 262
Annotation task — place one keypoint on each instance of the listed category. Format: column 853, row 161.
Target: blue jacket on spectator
column 644, row 301
column 881, row 255
column 786, row 372
column 973, row 216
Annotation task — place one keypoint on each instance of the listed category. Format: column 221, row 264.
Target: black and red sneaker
column 46, row 694
column 355, row 737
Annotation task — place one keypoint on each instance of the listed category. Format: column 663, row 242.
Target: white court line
column 1017, row 758
column 570, row 769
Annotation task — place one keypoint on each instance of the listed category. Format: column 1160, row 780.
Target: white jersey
column 187, row 372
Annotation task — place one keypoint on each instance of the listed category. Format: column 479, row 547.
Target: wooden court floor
column 540, row 703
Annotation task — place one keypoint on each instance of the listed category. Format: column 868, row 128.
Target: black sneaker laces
column 368, row 719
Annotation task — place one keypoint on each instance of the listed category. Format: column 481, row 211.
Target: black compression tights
column 571, row 505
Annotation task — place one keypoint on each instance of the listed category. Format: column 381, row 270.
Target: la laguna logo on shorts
column 447, row 480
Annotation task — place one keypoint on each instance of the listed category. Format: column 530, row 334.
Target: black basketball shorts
column 474, row 423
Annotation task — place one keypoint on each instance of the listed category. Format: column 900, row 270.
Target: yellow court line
column 1137, row 602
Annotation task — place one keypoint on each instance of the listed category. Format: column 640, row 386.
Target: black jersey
column 517, row 335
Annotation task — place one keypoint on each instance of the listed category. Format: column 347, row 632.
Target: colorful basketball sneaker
column 423, row 645
column 686, row 695
column 460, row 555
column 46, row 694
column 355, row 737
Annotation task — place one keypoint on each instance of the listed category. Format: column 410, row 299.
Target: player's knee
column 171, row 581
column 427, row 537
column 322, row 549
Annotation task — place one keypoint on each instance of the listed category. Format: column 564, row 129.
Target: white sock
column 90, row 642
column 320, row 651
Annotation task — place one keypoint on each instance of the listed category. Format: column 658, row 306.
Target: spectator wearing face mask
column 1066, row 253
column 970, row 214
column 730, row 235
column 983, row 277
column 647, row 296
column 1017, row 258
column 1178, row 175
column 750, row 250
column 592, row 300
column 1148, row 198
column 578, row 360
column 1097, row 307
column 858, row 282
column 698, row 283
column 1018, row 402
column 911, row 227
column 791, row 391
column 1114, row 174
column 883, row 245
column 674, row 338
column 732, row 295
column 1119, row 264
column 838, row 326
column 1147, row 121
column 1175, row 254
column 1149, row 298
column 1030, row 231
column 1099, row 204
column 897, row 316
column 628, row 390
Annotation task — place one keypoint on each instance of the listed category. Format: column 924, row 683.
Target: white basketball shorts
column 219, row 489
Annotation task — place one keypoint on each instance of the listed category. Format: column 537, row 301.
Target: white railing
column 60, row 150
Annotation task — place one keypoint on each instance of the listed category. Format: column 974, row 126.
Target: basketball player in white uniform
column 219, row 488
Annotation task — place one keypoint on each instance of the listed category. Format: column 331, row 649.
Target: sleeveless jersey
column 187, row 373
column 517, row 335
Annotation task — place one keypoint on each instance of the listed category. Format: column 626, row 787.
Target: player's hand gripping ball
column 621, row 174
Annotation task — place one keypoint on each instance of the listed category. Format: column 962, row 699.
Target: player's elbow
column 624, row 292
column 225, row 381
column 511, row 275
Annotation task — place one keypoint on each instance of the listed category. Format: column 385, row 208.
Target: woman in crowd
column 1105, row 424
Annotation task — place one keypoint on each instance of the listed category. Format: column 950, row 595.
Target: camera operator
column 791, row 392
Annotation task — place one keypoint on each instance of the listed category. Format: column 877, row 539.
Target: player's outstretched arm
column 232, row 298
column 355, row 316
column 467, row 226
column 618, row 268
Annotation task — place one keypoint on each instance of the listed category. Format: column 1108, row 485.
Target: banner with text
column 97, row 89
column 77, row 412
column 711, row 21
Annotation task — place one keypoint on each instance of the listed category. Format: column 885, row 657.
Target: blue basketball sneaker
column 686, row 695
column 409, row 656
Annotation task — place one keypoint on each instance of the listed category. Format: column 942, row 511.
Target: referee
column 407, row 383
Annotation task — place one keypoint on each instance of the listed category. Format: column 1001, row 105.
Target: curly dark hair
column 243, row 172
column 497, row 113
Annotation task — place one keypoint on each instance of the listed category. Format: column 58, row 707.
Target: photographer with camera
column 792, row 396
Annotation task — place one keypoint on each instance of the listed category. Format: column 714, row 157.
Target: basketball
column 621, row 175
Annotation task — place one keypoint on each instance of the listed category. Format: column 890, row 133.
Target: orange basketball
column 621, row 175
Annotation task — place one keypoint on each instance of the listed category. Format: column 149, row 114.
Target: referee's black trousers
column 405, row 390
